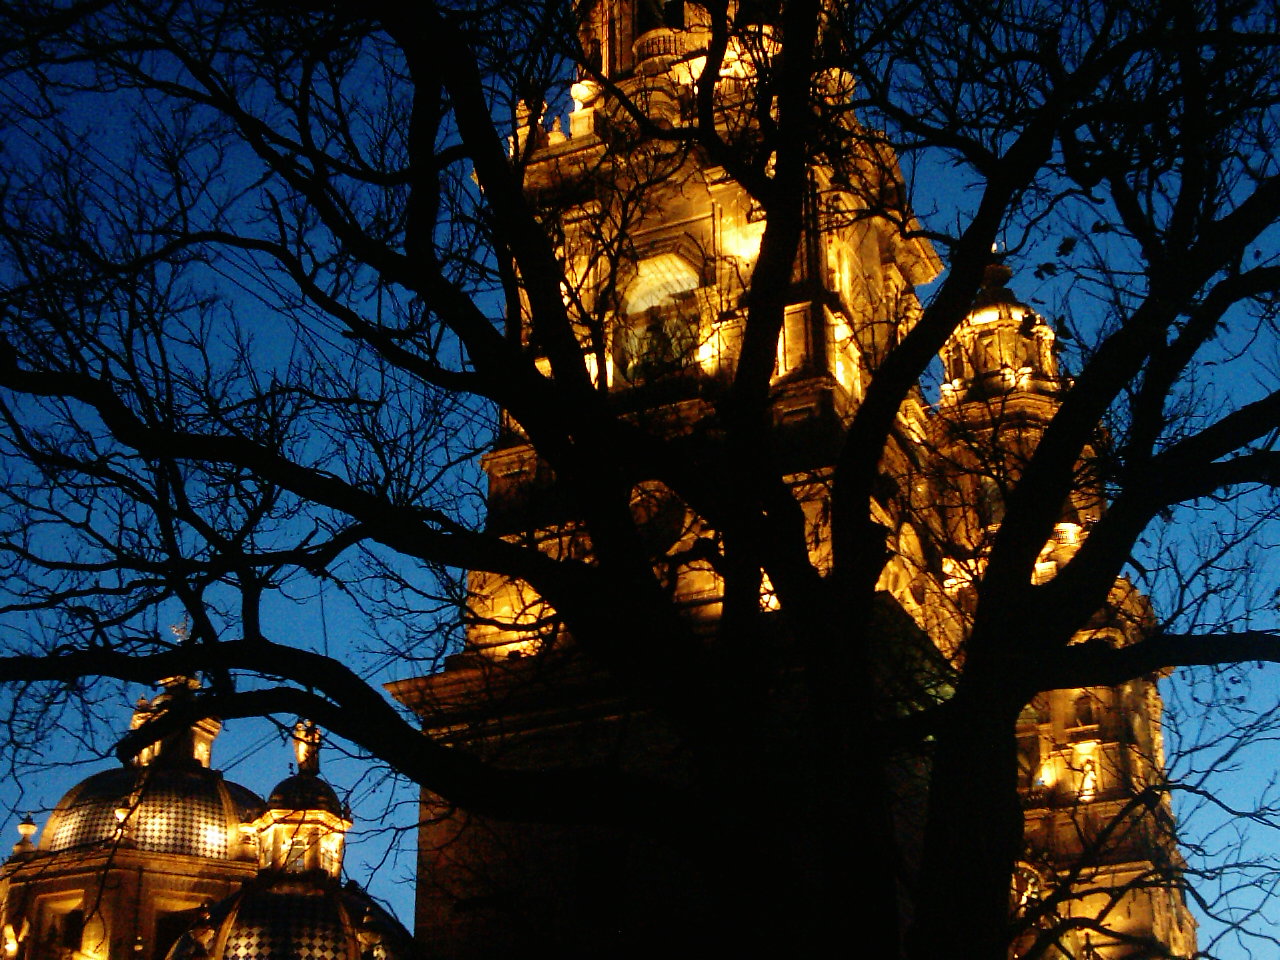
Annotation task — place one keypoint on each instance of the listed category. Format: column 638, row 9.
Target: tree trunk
column 974, row 831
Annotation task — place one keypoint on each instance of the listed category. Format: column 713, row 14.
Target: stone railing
column 662, row 42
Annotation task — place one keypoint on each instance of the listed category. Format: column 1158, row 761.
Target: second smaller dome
column 305, row 791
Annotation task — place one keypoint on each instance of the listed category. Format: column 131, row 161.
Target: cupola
column 192, row 745
column 288, row 917
column 305, row 824
column 1000, row 347
column 297, row 907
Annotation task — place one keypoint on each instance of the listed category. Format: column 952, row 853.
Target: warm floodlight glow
column 742, row 242
column 658, row 281
column 844, row 358
column 768, row 596
column 583, row 93
column 1067, row 534
column 1046, row 776
column 711, row 349
column 93, row 942
column 1044, row 572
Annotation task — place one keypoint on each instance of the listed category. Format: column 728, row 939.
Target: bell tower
column 1100, row 842
column 610, row 31
column 658, row 245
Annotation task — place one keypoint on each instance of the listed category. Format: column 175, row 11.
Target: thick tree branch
column 1096, row 663
column 346, row 705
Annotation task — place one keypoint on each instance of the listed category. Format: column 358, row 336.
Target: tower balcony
column 662, row 42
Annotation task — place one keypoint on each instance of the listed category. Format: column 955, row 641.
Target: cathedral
column 165, row 858
column 658, row 244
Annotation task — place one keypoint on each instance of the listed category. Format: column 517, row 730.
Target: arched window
column 1085, row 716
column 990, row 502
column 658, row 333
column 659, row 281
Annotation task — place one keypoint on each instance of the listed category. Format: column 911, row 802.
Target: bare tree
column 271, row 271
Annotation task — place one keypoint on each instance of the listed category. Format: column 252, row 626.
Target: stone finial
column 27, row 830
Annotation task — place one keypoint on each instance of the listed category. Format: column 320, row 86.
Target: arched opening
column 659, row 332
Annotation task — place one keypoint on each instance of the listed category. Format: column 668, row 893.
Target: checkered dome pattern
column 172, row 811
column 87, row 813
column 296, row 917
column 288, row 926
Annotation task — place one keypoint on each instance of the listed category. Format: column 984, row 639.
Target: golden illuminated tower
column 658, row 245
column 1099, row 840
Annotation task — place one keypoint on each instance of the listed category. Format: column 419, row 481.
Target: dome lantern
column 166, row 800
column 306, row 746
column 304, row 826
column 1001, row 346
column 192, row 744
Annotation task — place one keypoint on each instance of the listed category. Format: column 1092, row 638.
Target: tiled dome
column 185, row 809
column 284, row 917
